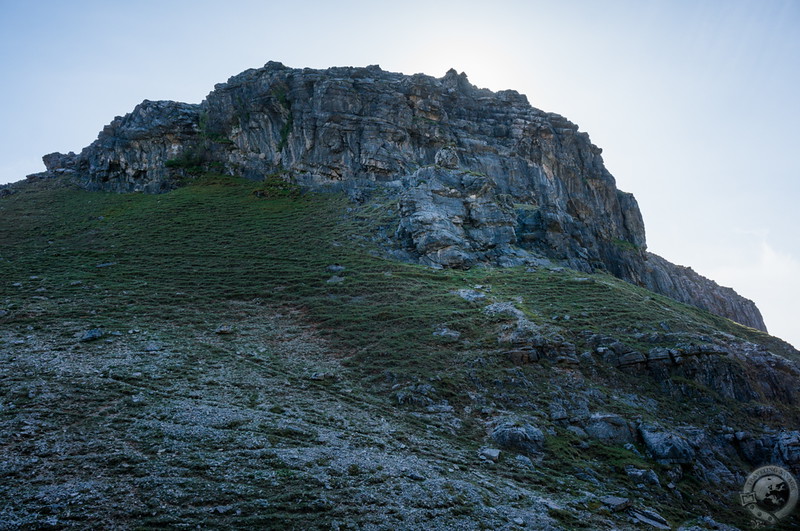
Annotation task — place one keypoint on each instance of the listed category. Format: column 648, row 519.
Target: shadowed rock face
column 481, row 176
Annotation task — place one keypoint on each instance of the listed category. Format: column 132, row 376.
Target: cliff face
column 480, row 177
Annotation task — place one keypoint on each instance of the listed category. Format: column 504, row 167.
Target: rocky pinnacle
column 480, row 177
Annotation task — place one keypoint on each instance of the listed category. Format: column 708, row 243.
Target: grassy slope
column 217, row 241
column 213, row 253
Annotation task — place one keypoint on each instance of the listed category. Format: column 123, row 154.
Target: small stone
column 335, row 279
column 632, row 448
column 650, row 517
column 447, row 158
column 335, row 268
column 577, row 431
column 152, row 346
column 642, row 476
column 491, row 454
column 524, row 460
column 106, row 264
column 443, row 331
column 615, row 503
column 91, row 335
column 519, row 521
column 470, row 295
column 224, row 330
column 558, row 411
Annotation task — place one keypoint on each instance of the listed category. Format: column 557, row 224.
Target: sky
column 694, row 102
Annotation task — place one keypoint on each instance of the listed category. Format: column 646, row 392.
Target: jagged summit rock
column 482, row 176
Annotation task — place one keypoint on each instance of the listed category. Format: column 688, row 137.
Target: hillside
column 482, row 177
column 350, row 298
column 239, row 353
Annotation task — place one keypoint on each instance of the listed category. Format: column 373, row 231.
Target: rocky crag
column 479, row 176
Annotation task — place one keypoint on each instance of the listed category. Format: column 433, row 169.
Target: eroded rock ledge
column 482, row 177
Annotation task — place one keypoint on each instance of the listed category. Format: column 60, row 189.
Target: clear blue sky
column 695, row 103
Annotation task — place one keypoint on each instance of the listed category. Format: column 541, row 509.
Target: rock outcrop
column 480, row 176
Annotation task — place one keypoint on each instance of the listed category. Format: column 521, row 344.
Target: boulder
column 787, row 447
column 659, row 355
column 616, row 503
column 631, row 359
column 639, row 476
column 519, row 437
column 416, row 395
column 666, row 447
column 610, row 428
column 447, row 158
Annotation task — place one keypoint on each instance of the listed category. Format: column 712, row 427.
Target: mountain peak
column 481, row 177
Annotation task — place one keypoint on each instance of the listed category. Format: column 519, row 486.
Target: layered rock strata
column 480, row 176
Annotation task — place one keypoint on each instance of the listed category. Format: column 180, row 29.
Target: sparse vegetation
column 625, row 245
column 254, row 421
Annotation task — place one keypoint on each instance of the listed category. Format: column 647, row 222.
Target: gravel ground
column 259, row 427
